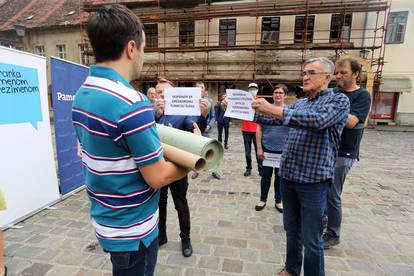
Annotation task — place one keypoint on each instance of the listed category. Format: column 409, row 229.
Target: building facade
column 228, row 44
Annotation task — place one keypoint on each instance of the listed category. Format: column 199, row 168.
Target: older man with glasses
column 308, row 162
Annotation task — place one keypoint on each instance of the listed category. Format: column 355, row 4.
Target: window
column 397, row 22
column 340, row 27
column 186, row 33
column 227, row 30
column 151, row 35
column 61, row 51
column 270, row 30
column 300, row 28
column 40, row 50
column 83, row 54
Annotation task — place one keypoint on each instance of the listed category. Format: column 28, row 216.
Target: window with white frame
column 83, row 54
column 396, row 26
column 61, row 51
column 40, row 50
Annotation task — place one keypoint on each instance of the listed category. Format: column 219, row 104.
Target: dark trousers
column 248, row 139
column 303, row 209
column 220, row 127
column 135, row 263
column 179, row 194
column 334, row 209
column 265, row 184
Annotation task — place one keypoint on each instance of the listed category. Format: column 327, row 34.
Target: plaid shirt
column 314, row 136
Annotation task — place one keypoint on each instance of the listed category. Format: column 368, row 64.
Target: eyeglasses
column 312, row 73
column 278, row 93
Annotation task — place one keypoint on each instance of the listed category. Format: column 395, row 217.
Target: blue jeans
column 303, row 210
column 334, row 209
column 135, row 263
column 265, row 184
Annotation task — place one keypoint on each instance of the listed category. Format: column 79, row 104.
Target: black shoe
column 280, row 210
column 330, row 240
column 259, row 208
column 186, row 247
column 162, row 240
column 216, row 175
column 325, row 222
column 226, row 147
column 247, row 172
column 195, row 175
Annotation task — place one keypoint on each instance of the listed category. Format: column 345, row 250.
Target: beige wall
column 400, row 60
column 70, row 37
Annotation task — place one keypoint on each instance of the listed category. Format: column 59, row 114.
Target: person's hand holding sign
column 204, row 107
column 263, row 106
column 160, row 107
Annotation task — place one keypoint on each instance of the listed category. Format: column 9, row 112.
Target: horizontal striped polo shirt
column 116, row 127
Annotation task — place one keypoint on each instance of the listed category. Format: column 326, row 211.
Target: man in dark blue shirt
column 347, row 74
column 222, row 123
column 178, row 188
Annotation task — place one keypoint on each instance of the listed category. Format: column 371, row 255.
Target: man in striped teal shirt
column 121, row 151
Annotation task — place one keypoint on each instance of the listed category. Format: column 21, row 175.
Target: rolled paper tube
column 210, row 149
column 183, row 158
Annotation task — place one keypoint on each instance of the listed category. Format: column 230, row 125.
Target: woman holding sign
column 270, row 141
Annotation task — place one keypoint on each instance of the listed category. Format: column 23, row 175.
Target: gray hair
column 327, row 63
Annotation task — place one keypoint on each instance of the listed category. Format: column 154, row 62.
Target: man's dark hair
column 355, row 66
column 110, row 29
column 281, row 86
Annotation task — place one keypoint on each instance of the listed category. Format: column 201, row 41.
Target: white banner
column 182, row 101
column 239, row 104
column 28, row 173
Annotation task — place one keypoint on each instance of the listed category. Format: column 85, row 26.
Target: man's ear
column 130, row 48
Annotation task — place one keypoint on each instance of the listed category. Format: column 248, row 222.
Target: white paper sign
column 272, row 159
column 239, row 104
column 182, row 101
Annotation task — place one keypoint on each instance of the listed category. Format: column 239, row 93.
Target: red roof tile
column 41, row 13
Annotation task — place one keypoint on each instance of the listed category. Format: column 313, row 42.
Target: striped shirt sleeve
column 138, row 132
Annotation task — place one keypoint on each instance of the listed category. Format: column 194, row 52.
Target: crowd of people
column 308, row 147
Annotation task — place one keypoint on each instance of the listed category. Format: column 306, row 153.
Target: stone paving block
column 88, row 272
column 168, row 270
column 224, row 251
column 48, row 255
column 15, row 266
column 269, row 257
column 194, row 272
column 63, row 270
column 95, row 261
column 214, row 240
column 202, row 249
column 28, row 252
column 249, row 254
column 209, row 262
column 70, row 258
column 259, row 269
column 234, row 266
column 36, row 269
column 36, row 239
column 237, row 243
column 179, row 259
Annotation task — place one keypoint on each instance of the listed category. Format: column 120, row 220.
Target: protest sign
column 239, row 104
column 182, row 101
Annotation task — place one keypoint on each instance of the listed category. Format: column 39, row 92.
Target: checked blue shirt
column 314, row 136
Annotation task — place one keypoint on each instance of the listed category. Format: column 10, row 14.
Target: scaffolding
column 251, row 58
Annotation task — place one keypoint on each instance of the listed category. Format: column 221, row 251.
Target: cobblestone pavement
column 230, row 237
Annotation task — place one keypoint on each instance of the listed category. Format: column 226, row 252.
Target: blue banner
column 66, row 78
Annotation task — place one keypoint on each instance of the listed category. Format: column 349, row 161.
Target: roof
column 40, row 13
